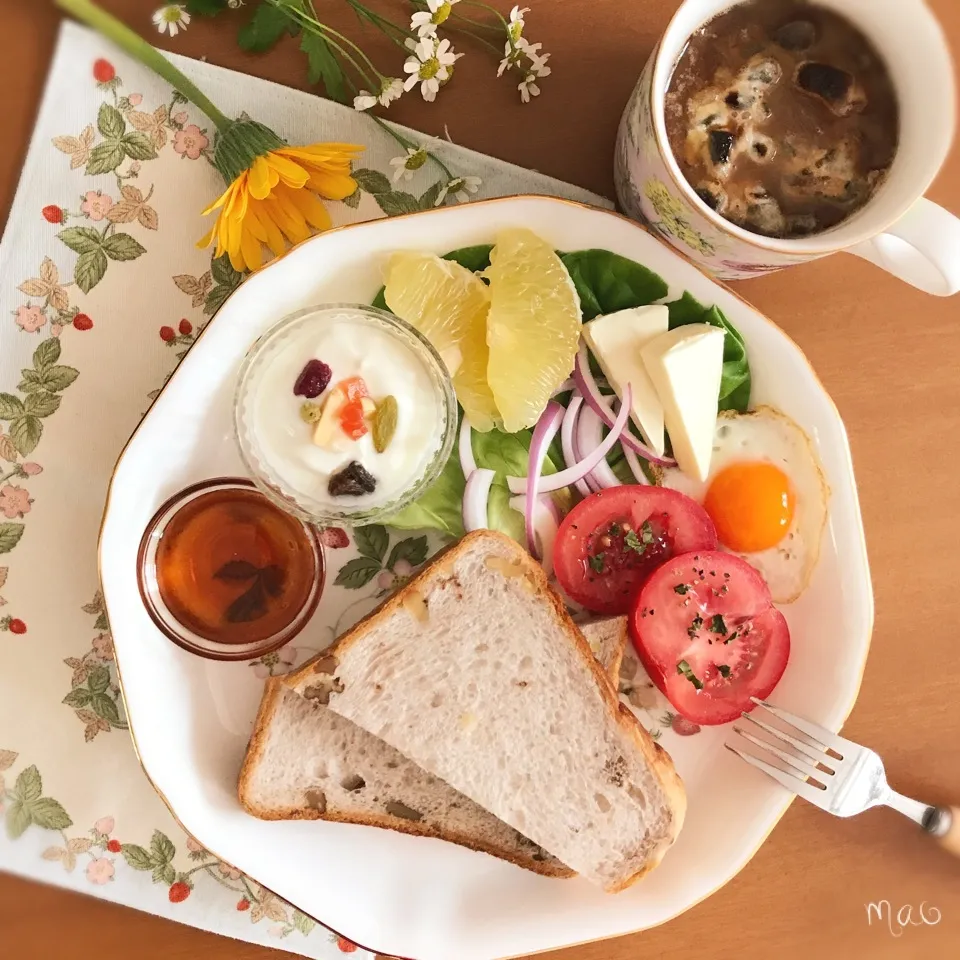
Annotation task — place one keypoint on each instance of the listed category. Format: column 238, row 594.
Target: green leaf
column 440, row 508
column 268, row 25
column 428, row 200
column 473, row 258
column 18, row 819
column 98, row 679
column 42, row 404
column 58, row 378
column 162, row 848
column 104, row 706
column 10, row 534
column 303, row 923
column 101, row 623
column 90, row 268
column 80, row 240
column 29, row 785
column 735, row 382
column 10, row 406
column 373, row 181
column 31, row 380
column 397, row 202
column 372, row 541
column 322, row 64
column 110, row 122
column 49, row 814
column 121, row 246
column 25, row 432
column 164, row 873
column 104, row 158
column 138, row 146
column 77, row 698
column 215, row 299
column 413, row 550
column 607, row 282
column 357, row 573
column 47, row 353
column 221, row 269
column 137, row 857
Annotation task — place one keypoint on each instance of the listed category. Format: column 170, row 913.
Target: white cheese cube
column 616, row 341
column 685, row 366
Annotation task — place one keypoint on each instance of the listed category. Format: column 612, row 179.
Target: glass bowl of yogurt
column 344, row 414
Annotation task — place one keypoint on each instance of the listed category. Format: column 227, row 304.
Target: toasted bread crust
column 272, row 694
column 657, row 758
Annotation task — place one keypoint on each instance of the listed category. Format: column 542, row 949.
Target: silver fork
column 834, row 773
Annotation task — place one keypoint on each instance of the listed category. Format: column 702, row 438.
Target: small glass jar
column 393, row 359
column 226, row 574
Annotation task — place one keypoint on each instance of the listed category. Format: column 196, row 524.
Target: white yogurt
column 389, row 367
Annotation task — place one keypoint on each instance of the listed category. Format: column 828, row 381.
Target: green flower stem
column 89, row 13
column 489, row 9
column 382, row 22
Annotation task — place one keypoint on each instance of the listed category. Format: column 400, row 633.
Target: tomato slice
column 611, row 542
column 707, row 632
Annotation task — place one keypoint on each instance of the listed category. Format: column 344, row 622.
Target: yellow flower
column 275, row 198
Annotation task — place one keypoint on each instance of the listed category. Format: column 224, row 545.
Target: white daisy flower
column 516, row 24
column 528, row 88
column 172, row 18
column 391, row 89
column 538, row 65
column 234, row 4
column 410, row 162
column 430, row 66
column 513, row 56
column 364, row 100
column 425, row 22
column 461, row 188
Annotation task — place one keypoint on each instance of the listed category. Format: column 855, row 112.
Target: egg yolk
column 751, row 505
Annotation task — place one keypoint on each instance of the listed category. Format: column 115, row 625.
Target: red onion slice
column 633, row 461
column 587, row 386
column 568, row 442
column 565, row 478
column 589, row 435
column 543, row 434
column 475, row 497
column 546, row 521
column 468, row 462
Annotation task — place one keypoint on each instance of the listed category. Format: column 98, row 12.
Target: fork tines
column 801, row 761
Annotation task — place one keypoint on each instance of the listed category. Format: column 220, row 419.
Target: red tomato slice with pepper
column 611, row 542
column 707, row 632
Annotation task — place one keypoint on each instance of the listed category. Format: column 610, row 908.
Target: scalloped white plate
column 416, row 897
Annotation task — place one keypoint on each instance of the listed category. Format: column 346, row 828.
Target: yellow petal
column 274, row 238
column 289, row 172
column 288, row 218
column 221, row 200
column 333, row 186
column 251, row 249
column 207, row 238
column 310, row 207
column 262, row 178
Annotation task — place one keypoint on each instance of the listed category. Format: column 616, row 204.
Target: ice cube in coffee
column 782, row 117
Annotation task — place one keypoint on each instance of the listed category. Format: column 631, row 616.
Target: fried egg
column 766, row 494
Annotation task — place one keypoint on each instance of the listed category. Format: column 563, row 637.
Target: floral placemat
column 102, row 293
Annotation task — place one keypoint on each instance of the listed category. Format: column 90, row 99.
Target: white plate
column 416, row 897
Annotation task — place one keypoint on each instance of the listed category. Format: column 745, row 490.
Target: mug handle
column 922, row 248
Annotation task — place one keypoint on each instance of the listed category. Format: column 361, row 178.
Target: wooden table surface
column 890, row 356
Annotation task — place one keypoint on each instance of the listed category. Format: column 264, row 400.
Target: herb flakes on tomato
column 713, row 644
column 612, row 541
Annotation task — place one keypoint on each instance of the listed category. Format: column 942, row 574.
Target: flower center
column 172, row 14
column 515, row 30
column 429, row 69
column 416, row 160
column 441, row 13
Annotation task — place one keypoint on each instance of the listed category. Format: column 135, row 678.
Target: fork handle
column 944, row 824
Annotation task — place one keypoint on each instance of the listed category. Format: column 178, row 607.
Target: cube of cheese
column 685, row 366
column 616, row 340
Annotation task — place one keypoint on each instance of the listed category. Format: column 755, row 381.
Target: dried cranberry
column 354, row 480
column 313, row 380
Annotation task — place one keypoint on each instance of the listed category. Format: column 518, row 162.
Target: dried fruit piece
column 384, row 423
column 352, row 416
column 313, row 380
column 310, row 412
column 324, row 430
column 354, row 480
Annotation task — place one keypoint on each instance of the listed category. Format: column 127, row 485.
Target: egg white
column 766, row 434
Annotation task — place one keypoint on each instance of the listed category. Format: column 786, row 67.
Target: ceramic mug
column 898, row 229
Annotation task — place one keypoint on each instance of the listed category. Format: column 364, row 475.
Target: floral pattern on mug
column 673, row 221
